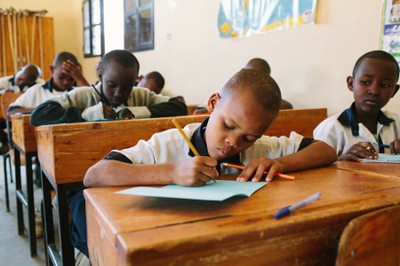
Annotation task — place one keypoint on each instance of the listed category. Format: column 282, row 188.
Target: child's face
column 373, row 85
column 118, row 82
column 24, row 78
column 235, row 124
column 61, row 81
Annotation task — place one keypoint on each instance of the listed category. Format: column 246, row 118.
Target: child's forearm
column 317, row 154
column 115, row 173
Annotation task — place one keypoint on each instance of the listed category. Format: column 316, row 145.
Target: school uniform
column 341, row 131
column 36, row 95
column 8, row 84
column 170, row 147
column 86, row 104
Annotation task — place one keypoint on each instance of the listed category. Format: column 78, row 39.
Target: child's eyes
column 365, row 82
column 385, row 85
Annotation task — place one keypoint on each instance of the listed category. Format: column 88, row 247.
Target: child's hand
column 75, row 71
column 359, row 151
column 196, row 171
column 395, row 147
column 256, row 167
column 108, row 111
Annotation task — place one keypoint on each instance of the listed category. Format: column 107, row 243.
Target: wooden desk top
column 23, row 133
column 126, row 230
column 377, row 168
column 66, row 151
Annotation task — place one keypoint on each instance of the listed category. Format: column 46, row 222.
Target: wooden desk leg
column 67, row 250
column 26, row 200
column 30, row 204
column 18, row 188
column 48, row 224
column 64, row 256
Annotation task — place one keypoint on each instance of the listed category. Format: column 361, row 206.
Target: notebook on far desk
column 384, row 158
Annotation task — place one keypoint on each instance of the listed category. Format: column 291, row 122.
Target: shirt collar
column 12, row 80
column 200, row 144
column 49, row 86
column 348, row 119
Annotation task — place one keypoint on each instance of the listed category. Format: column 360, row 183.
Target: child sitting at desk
column 362, row 130
column 114, row 98
column 240, row 114
column 66, row 73
column 26, row 77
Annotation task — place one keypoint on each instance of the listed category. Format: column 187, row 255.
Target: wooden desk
column 23, row 138
column 65, row 153
column 134, row 230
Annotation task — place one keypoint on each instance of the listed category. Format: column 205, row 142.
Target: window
column 139, row 25
column 93, row 33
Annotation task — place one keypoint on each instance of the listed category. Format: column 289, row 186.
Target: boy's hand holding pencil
column 200, row 169
column 196, row 171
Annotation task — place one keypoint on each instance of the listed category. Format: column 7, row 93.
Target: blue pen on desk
column 384, row 146
column 291, row 208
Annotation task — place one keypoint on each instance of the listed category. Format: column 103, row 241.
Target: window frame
column 138, row 44
column 91, row 27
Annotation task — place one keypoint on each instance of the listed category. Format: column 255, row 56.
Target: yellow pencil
column 192, row 148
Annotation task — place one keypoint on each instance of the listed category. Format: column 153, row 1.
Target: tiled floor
column 14, row 249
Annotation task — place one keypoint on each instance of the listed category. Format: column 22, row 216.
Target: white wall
column 310, row 63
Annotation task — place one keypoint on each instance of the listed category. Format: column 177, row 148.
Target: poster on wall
column 390, row 33
column 240, row 18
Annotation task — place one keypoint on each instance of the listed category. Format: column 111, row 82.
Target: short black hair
column 158, row 79
column 263, row 87
column 64, row 56
column 122, row 57
column 376, row 54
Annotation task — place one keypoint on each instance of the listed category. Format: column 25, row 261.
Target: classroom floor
column 14, row 249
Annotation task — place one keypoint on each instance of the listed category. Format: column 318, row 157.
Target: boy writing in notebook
column 113, row 98
column 364, row 130
column 240, row 114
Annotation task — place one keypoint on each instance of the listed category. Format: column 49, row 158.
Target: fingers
column 362, row 150
column 395, row 147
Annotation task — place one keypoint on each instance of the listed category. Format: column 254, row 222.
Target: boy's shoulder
column 392, row 115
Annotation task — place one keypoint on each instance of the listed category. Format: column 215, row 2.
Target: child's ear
column 212, row 102
column 51, row 68
column 395, row 90
column 350, row 82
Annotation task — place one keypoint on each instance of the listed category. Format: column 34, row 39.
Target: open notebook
column 384, row 158
column 213, row 191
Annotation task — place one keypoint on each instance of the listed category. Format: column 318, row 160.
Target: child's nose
column 117, row 92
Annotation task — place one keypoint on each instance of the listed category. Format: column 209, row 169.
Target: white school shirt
column 169, row 147
column 34, row 96
column 341, row 137
column 5, row 84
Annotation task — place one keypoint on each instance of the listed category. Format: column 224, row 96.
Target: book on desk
column 384, row 158
column 212, row 191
